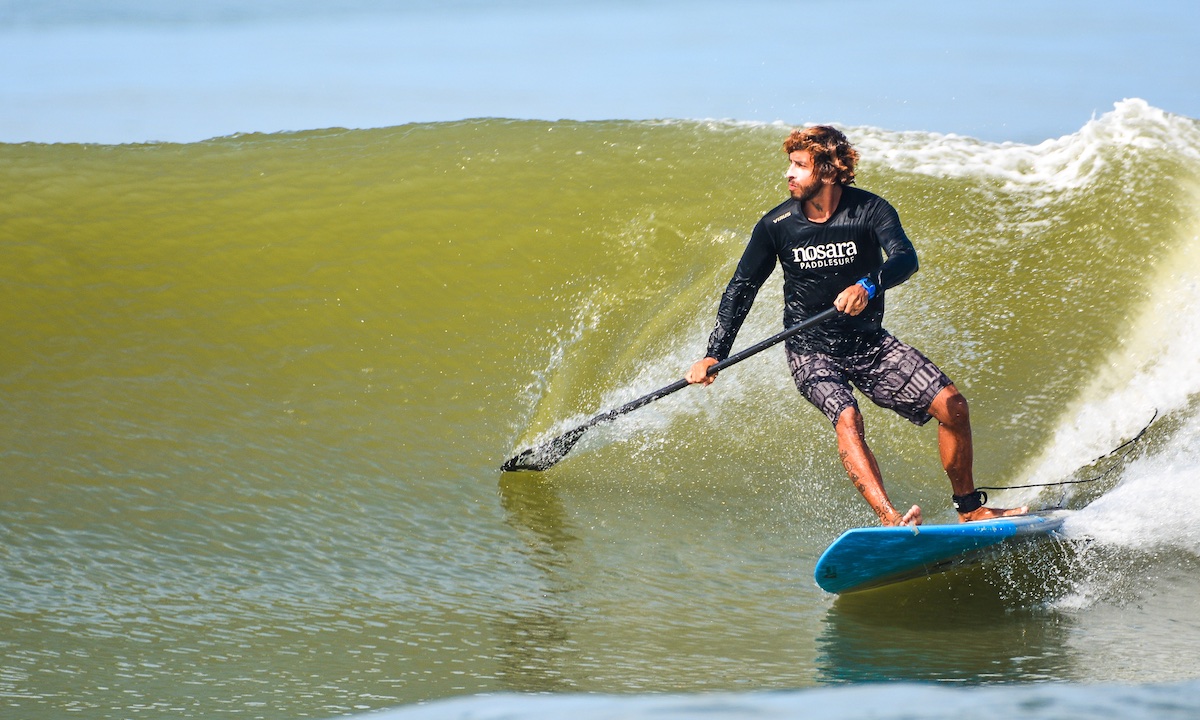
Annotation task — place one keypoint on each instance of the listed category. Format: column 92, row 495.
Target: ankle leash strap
column 969, row 502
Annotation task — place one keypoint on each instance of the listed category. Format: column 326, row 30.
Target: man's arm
column 900, row 265
column 756, row 265
column 901, row 261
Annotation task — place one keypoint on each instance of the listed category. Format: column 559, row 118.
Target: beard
column 807, row 192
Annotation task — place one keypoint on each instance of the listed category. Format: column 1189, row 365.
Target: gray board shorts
column 893, row 374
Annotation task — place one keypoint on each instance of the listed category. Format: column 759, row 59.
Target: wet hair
column 832, row 155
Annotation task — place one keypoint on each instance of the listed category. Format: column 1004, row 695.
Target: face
column 803, row 182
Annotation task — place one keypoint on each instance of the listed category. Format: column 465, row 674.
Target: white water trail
column 1149, row 522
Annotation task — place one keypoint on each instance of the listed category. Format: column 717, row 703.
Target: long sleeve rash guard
column 819, row 261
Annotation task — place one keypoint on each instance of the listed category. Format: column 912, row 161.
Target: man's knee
column 950, row 407
column 850, row 423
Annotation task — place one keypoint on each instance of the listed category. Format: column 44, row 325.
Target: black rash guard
column 819, row 261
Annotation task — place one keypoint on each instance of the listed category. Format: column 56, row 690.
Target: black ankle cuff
column 969, row 502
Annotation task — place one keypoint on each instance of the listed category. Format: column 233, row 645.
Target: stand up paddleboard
column 866, row 558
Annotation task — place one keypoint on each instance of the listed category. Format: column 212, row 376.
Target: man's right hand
column 698, row 372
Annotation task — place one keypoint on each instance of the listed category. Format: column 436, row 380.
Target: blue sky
column 139, row 70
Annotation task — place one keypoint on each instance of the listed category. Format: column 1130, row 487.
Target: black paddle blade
column 545, row 455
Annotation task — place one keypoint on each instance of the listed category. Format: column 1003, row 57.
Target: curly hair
column 832, row 155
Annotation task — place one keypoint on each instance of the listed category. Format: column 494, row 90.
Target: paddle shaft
column 547, row 454
column 727, row 362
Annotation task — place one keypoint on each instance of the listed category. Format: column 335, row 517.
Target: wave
column 309, row 344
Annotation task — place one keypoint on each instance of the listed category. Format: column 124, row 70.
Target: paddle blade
column 545, row 455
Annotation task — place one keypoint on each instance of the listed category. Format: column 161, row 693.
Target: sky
column 116, row 71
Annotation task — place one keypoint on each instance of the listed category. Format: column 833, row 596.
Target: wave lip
column 1070, row 162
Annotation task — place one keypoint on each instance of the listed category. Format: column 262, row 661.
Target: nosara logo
column 830, row 254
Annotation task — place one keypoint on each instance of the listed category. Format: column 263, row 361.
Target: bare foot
column 912, row 517
column 987, row 513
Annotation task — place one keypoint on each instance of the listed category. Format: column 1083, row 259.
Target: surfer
column 830, row 239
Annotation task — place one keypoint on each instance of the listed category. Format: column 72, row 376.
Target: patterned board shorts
column 893, row 375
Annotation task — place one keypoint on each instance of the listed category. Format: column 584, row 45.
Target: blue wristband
column 869, row 286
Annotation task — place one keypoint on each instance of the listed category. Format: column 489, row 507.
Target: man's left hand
column 852, row 300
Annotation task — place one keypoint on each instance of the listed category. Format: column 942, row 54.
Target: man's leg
column 864, row 470
column 950, row 409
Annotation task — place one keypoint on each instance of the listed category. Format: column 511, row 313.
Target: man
column 830, row 239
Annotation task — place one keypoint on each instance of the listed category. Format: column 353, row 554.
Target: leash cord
column 1127, row 444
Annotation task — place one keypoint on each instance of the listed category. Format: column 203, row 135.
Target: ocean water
column 256, row 386
column 257, row 390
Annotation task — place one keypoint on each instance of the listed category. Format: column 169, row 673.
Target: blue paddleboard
column 866, row 558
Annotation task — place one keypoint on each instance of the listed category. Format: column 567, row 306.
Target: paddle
column 546, row 454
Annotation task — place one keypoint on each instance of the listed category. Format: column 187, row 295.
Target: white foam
column 1155, row 506
column 1153, row 513
column 1071, row 161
